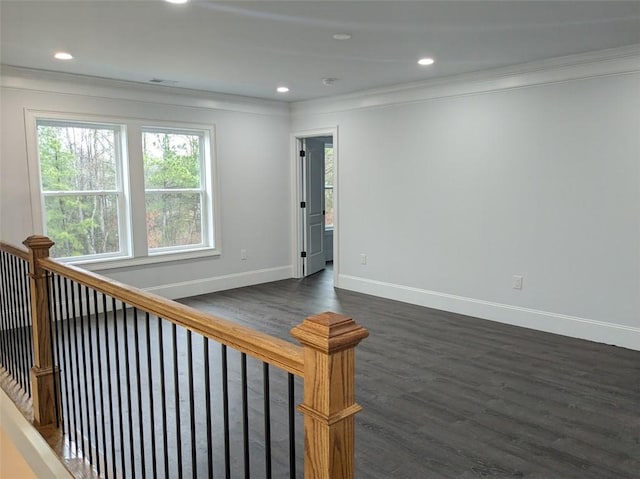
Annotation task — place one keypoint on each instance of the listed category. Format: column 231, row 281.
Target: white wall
column 454, row 191
column 450, row 188
column 253, row 165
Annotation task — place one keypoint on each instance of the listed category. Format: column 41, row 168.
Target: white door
column 313, row 175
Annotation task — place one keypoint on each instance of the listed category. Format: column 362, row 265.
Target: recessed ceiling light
column 426, row 61
column 63, row 56
column 282, row 89
column 342, row 36
column 176, row 1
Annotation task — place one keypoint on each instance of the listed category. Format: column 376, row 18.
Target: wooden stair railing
column 325, row 360
column 44, row 376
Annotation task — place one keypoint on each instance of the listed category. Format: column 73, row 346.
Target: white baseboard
column 221, row 283
column 597, row 331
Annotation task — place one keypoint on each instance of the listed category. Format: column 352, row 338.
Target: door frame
column 297, row 229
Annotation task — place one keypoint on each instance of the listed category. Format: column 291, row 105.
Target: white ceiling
column 250, row 47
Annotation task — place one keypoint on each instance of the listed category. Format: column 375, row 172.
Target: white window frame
column 133, row 234
column 329, row 186
column 205, row 189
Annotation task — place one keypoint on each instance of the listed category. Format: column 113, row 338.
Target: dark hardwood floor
column 449, row 396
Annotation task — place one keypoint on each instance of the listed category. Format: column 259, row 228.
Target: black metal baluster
column 15, row 367
column 54, row 301
column 107, row 347
column 101, row 386
column 25, row 298
column 136, row 339
column 3, row 318
column 154, row 453
column 6, row 325
column 12, row 341
column 114, row 316
column 225, row 413
column 267, row 420
column 192, row 414
column 92, row 445
column 64, row 365
column 176, row 391
column 19, row 337
column 207, row 401
column 292, row 427
column 13, row 347
column 245, row 416
column 22, row 325
column 18, row 357
column 128, row 388
column 71, row 369
column 84, row 375
column 165, row 436
column 24, row 275
column 54, row 361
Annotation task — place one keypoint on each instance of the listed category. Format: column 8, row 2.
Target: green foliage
column 172, row 162
column 56, row 164
column 328, row 181
column 82, row 160
column 79, row 159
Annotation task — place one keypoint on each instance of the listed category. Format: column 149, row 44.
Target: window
column 174, row 188
column 101, row 201
column 328, row 186
column 81, row 185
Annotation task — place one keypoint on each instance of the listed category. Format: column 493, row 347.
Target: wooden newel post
column 329, row 407
column 44, row 374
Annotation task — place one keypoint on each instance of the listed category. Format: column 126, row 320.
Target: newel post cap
column 38, row 242
column 329, row 332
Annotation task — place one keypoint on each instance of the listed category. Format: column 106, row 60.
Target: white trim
column 28, row 441
column 133, row 236
column 296, row 194
column 33, row 171
column 157, row 257
column 573, row 326
column 19, row 78
column 196, row 287
column 587, row 65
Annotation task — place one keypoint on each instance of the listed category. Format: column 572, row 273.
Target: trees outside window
column 85, row 176
column 328, row 186
column 174, row 187
column 81, row 187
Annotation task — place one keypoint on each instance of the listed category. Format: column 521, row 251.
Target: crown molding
column 19, row 78
column 560, row 69
column 614, row 61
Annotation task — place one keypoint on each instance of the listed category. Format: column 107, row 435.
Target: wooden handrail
column 19, row 252
column 275, row 351
column 325, row 360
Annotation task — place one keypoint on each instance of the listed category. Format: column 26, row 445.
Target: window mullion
column 136, row 197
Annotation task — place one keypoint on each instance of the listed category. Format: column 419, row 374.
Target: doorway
column 316, row 193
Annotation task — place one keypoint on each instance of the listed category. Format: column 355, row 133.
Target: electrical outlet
column 243, row 254
column 363, row 258
column 516, row 281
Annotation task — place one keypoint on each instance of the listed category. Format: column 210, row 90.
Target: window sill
column 165, row 257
